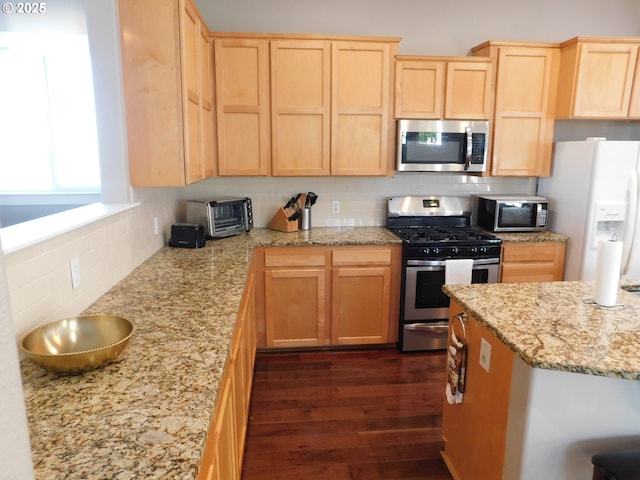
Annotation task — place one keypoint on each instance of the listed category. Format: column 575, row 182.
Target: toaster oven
column 223, row 216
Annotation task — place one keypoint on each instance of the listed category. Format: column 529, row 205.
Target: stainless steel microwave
column 223, row 216
column 511, row 213
column 442, row 146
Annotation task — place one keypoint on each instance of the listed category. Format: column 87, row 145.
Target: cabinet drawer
column 530, row 272
column 300, row 257
column 361, row 257
column 543, row 252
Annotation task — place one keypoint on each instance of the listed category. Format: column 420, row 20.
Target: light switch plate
column 485, row 354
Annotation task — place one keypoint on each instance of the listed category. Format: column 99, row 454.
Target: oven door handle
column 442, row 263
column 429, row 327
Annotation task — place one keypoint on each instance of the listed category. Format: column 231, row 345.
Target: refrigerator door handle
column 631, row 223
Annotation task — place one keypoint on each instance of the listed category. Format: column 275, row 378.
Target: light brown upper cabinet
column 242, row 106
column 300, row 107
column 634, row 107
column 166, row 63
column 599, row 78
column 362, row 133
column 525, row 96
column 297, row 105
column 444, row 87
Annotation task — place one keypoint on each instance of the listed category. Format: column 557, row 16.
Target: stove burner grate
column 426, row 234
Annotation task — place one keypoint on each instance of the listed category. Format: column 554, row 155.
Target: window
column 48, row 135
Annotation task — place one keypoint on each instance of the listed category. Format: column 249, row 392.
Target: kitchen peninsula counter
column 556, row 325
column 551, row 380
column 147, row 414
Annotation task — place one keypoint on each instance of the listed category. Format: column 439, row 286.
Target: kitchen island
column 551, row 380
column 147, row 415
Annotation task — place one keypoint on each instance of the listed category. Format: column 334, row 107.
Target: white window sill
column 23, row 235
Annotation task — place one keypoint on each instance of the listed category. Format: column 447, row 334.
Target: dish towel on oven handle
column 458, row 271
column 456, row 368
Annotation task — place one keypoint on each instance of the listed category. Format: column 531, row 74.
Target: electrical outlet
column 74, row 265
column 156, row 225
column 485, row 354
column 335, row 206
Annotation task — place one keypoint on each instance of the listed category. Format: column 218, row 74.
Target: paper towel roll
column 605, row 287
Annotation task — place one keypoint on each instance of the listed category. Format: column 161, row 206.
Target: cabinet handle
column 469, row 142
column 462, row 318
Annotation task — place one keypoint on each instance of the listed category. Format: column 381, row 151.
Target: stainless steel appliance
column 442, row 146
column 511, row 213
column 435, row 229
column 222, row 216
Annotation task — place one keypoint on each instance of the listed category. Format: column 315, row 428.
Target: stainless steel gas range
column 436, row 230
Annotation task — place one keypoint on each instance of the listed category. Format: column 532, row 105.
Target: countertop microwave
column 442, row 146
column 511, row 213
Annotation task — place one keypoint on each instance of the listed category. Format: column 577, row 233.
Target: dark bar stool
column 617, row 465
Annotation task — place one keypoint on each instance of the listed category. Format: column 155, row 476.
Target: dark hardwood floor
column 358, row 414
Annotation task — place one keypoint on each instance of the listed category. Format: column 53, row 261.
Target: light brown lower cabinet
column 532, row 261
column 222, row 458
column 360, row 296
column 325, row 296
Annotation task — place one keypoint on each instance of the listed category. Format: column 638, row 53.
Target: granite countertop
column 556, row 325
column 545, row 236
column 147, row 414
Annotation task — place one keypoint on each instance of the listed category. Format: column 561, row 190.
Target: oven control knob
column 455, row 250
column 425, row 251
column 435, row 250
column 473, row 249
column 483, row 249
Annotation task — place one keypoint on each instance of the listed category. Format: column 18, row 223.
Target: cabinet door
column 190, row 36
column 419, row 89
column 532, row 262
column 226, row 456
column 295, row 307
column 242, row 106
column 300, row 107
column 634, row 106
column 240, row 405
column 523, row 123
column 604, row 80
column 469, row 90
column 360, row 305
column 205, row 52
column 152, row 90
column 361, row 141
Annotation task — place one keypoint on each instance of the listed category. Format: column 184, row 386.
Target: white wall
column 15, row 451
column 430, row 27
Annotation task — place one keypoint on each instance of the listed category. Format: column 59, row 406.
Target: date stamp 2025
column 24, row 8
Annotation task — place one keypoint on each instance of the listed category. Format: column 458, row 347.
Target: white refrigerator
column 593, row 194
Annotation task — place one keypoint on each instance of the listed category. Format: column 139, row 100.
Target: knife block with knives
column 286, row 218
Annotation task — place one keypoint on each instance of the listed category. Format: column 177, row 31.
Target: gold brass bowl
column 77, row 344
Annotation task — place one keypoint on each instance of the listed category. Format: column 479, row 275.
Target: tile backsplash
column 39, row 277
column 362, row 199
